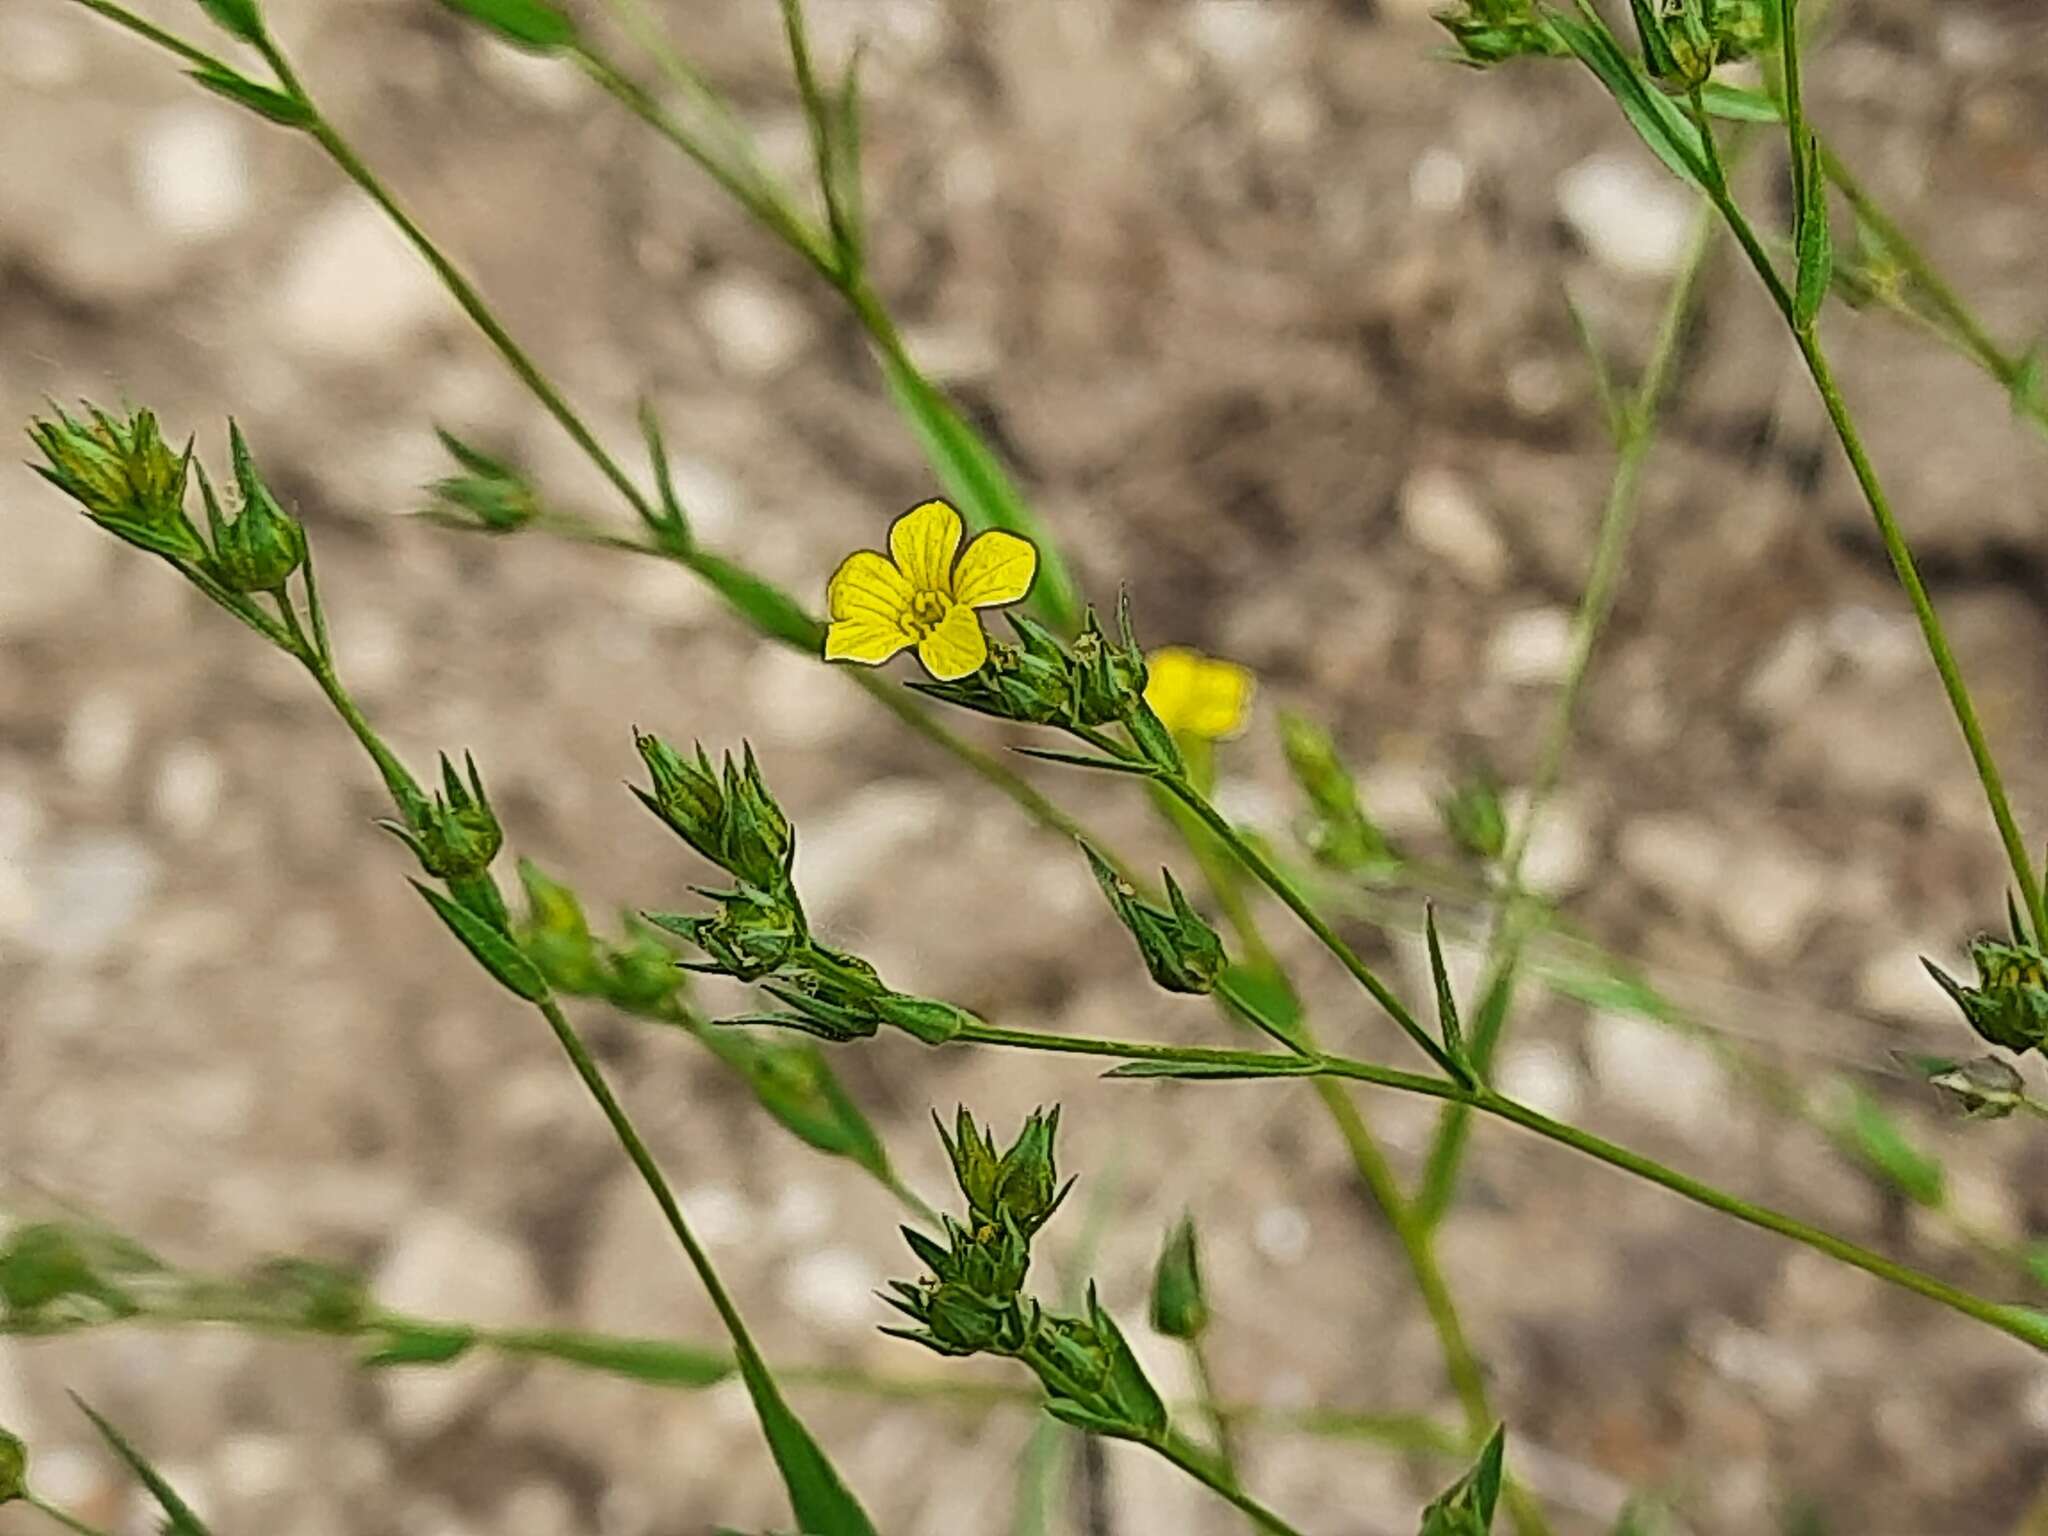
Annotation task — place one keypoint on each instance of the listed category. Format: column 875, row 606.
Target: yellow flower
column 920, row 596
column 1197, row 695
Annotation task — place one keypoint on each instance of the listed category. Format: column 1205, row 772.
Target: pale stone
column 1633, row 216
column 833, row 1289
column 189, row 781
column 1770, row 897
column 756, row 329
column 1658, row 1074
column 352, row 290
column 1440, row 512
column 1437, row 180
column 1542, row 1075
column 1533, row 646
column 1680, row 856
column 191, row 172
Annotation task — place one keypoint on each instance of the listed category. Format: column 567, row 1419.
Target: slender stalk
column 1211, row 1475
column 63, row 1517
column 2017, row 1321
column 1248, row 855
column 1636, row 434
column 1896, row 548
column 1211, row 1404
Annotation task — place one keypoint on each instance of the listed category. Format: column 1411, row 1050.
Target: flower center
column 927, row 610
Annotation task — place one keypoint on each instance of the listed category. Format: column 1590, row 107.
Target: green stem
column 464, row 292
column 2013, row 1320
column 1895, row 546
column 65, row 1518
column 1212, row 1409
column 1637, row 433
column 1213, row 1476
column 1248, row 855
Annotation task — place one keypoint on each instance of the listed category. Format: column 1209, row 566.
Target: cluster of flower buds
column 1335, row 826
column 1490, row 32
column 1180, row 949
column 126, row 479
column 972, row 1301
column 1683, row 40
column 2009, row 1004
column 1092, row 682
column 455, row 835
column 759, row 932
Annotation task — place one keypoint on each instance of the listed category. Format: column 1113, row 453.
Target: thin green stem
column 63, row 1517
column 1211, row 1404
column 1636, row 435
column 2017, row 1321
column 1248, row 855
column 121, row 16
column 1213, row 1476
column 1896, row 548
column 464, row 292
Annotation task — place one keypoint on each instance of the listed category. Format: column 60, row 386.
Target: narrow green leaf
column 532, row 24
column 1870, row 1131
column 1216, row 1071
column 767, row 607
column 1671, row 135
column 493, row 950
column 979, row 485
column 821, row 1501
column 677, row 521
column 411, row 1343
column 1812, row 240
column 1739, row 105
column 179, row 1520
column 1090, row 760
column 286, row 111
column 846, row 141
column 239, row 19
column 1613, row 407
column 1446, row 999
column 658, row 1362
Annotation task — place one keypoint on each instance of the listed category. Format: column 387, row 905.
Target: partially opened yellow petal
column 956, row 647
column 1170, row 684
column 997, row 568
column 866, row 585
column 865, row 639
column 1222, row 698
column 924, row 541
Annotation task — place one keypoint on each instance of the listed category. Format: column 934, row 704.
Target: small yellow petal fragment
column 1197, row 695
column 997, row 568
column 867, row 586
column 923, row 542
column 864, row 639
column 956, row 647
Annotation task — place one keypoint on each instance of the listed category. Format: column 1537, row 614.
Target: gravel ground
column 1266, row 306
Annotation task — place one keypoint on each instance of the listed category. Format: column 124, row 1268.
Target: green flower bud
column 1179, row 1308
column 751, row 936
column 556, row 936
column 1473, row 815
column 1020, row 1185
column 1489, row 32
column 456, row 835
column 264, row 544
column 2009, row 1004
column 729, row 817
column 1093, row 1379
column 1678, row 47
column 491, row 494
column 1337, row 830
column 13, row 1468
column 123, row 477
column 1108, row 678
column 640, row 974
column 1182, row 952
column 1466, row 1507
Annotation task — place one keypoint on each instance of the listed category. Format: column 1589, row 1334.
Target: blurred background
column 1267, row 307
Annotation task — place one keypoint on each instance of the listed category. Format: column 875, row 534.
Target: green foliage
column 285, row 110
column 1466, row 1507
column 489, row 493
column 491, row 946
column 123, row 476
column 239, row 18
column 537, row 25
column 1474, row 816
column 13, row 1468
column 1672, row 137
column 1335, row 827
column 179, row 1520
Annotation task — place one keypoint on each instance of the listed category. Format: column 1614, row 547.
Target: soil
column 1266, row 305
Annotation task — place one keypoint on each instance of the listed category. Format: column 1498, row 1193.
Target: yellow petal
column 867, row 586
column 1197, row 695
column 865, row 639
column 956, row 647
column 924, row 541
column 997, row 568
